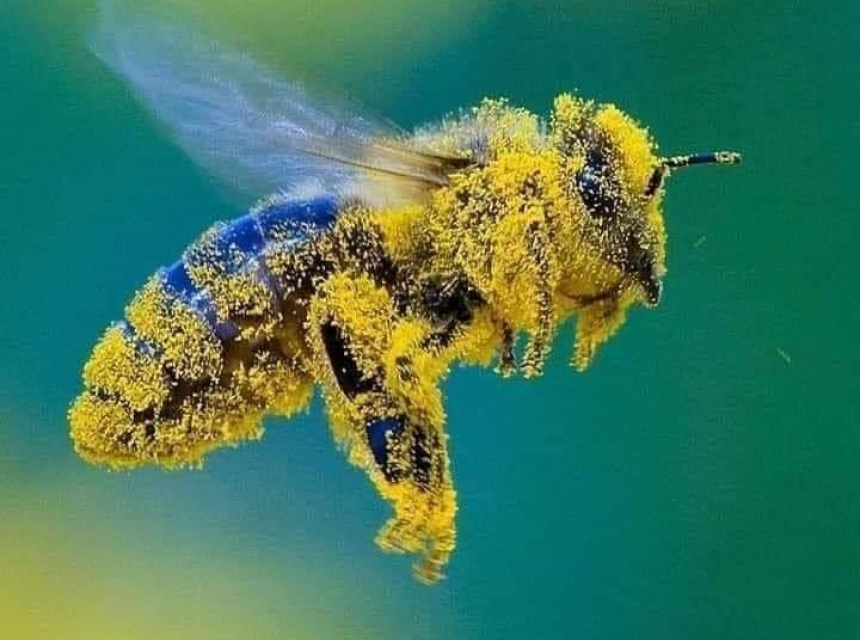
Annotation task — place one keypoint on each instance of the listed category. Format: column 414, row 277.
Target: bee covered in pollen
column 381, row 261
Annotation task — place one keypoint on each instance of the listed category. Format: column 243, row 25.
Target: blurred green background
column 694, row 483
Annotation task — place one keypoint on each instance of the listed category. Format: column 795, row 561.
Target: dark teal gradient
column 691, row 484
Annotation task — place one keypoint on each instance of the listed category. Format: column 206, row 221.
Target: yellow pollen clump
column 118, row 366
column 182, row 335
column 636, row 147
column 104, row 431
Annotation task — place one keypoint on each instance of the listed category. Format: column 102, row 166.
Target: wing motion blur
column 256, row 132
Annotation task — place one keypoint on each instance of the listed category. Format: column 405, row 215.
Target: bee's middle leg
column 538, row 348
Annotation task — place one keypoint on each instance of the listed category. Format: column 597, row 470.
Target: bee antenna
column 676, row 162
column 715, row 157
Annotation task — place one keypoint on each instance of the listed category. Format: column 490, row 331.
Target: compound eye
column 597, row 187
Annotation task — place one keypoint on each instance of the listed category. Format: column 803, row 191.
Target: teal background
column 693, row 483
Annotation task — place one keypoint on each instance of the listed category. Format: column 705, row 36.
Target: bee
column 380, row 261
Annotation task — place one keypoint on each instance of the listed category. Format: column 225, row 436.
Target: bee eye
column 597, row 187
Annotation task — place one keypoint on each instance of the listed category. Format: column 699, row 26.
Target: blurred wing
column 251, row 129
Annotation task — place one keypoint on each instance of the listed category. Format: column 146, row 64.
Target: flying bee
column 380, row 261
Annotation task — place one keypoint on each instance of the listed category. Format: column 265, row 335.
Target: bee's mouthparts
column 652, row 286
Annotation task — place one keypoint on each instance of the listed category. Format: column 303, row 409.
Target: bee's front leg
column 507, row 358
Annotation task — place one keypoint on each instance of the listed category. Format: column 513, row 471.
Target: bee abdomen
column 226, row 274
column 197, row 364
column 223, row 286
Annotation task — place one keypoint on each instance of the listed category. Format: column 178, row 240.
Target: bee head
column 614, row 182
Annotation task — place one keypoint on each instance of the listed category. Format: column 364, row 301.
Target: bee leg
column 348, row 374
column 596, row 324
column 537, row 349
column 416, row 454
column 507, row 359
column 414, row 460
column 386, row 412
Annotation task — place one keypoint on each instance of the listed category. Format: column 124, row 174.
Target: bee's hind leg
column 414, row 462
column 507, row 356
column 386, row 412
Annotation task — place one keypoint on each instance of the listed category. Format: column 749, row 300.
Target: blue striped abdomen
column 237, row 250
column 199, row 360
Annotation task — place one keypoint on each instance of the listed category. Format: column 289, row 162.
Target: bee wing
column 253, row 130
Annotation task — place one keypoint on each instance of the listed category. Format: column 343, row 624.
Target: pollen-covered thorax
column 575, row 188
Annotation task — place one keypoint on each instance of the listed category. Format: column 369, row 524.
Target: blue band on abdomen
column 176, row 277
column 242, row 234
column 294, row 218
column 242, row 240
column 178, row 282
